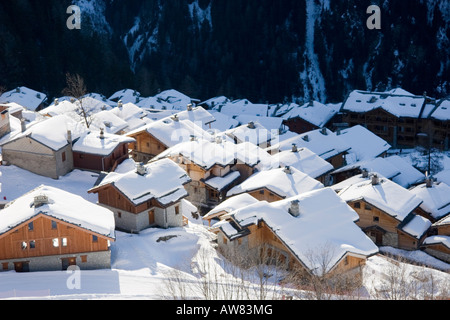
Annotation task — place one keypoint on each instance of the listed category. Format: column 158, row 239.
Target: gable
column 27, row 145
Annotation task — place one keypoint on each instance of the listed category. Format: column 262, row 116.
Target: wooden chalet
column 50, row 229
column 5, row 126
column 284, row 227
column 387, row 211
column 146, row 197
column 437, row 243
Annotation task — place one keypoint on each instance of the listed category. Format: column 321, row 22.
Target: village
column 282, row 182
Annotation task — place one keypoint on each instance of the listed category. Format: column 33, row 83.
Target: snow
column 232, row 204
column 279, row 182
column 257, row 135
column 126, row 96
column 243, row 106
column 92, row 143
column 26, row 97
column 380, row 165
column 63, row 206
column 436, row 199
column 315, row 113
column 408, row 174
column 442, row 112
column 386, row 195
column 163, row 180
column 220, row 183
column 417, row 226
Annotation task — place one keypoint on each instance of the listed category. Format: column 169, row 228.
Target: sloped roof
column 325, row 226
column 26, row 97
column 316, row 113
column 436, row 199
column 92, row 143
column 63, row 206
column 279, row 182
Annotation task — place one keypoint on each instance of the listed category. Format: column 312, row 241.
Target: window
column 84, row 258
column 63, row 156
column 94, row 238
column 177, row 210
column 64, row 242
column 54, row 225
column 225, row 241
column 376, row 219
column 368, row 207
column 30, row 226
column 346, row 261
column 5, row 266
column 261, row 192
column 24, row 245
column 32, row 244
column 357, row 205
column 119, row 214
column 55, row 243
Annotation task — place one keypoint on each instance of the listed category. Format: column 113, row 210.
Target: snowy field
column 141, row 264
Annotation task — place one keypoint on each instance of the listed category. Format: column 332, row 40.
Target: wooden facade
column 265, row 194
column 96, row 162
column 146, row 146
column 299, row 125
column 43, row 236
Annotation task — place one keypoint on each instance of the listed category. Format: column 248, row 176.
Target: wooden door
column 67, row 262
column 151, row 217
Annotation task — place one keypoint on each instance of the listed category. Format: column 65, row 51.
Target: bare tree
column 76, row 88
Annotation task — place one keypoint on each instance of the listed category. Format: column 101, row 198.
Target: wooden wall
column 366, row 217
column 43, row 234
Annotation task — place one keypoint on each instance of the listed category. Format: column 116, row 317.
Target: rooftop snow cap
column 140, row 169
column 294, row 210
column 40, row 200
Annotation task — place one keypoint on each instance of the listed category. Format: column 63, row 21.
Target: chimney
column 365, row 173
column 140, row 169
column 69, row 137
column 56, row 102
column 251, row 125
column 287, row 170
column 23, row 125
column 40, row 200
column 294, row 210
column 294, row 148
column 324, row 131
column 175, row 118
column 189, row 107
column 375, row 179
column 306, row 138
column 218, row 139
column 120, row 104
column 192, row 138
column 17, row 90
column 102, row 134
column 428, row 181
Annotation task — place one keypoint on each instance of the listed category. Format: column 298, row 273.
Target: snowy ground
column 141, row 264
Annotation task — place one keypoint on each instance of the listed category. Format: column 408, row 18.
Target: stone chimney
column 40, row 200
column 140, row 169
column 175, row 118
column 428, row 181
column 120, row 104
column 365, row 173
column 251, row 125
column 306, row 138
column 102, row 134
column 218, row 139
column 375, row 179
column 324, row 131
column 287, row 170
column 294, row 148
column 23, row 125
column 294, row 209
column 189, row 107
column 69, row 137
column 56, row 102
column 192, row 138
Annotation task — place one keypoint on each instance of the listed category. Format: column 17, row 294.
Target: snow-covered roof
column 63, row 206
column 364, row 144
column 408, row 174
column 397, row 105
column 12, row 107
column 53, row 131
column 26, row 97
column 385, row 195
column 323, row 142
column 220, row 183
column 243, row 106
column 440, row 239
column 150, row 103
column 171, row 131
column 442, row 112
column 270, row 123
column 304, row 160
column 325, row 226
column 253, row 155
column 380, row 165
column 197, row 115
column 415, row 226
column 91, row 142
column 203, row 152
column 223, row 122
column 253, row 132
column 237, row 202
column 215, row 102
column 176, row 99
column 314, row 112
column 436, row 199
column 126, row 96
column 285, row 182
column 443, row 176
column 108, row 121
column 163, row 181
column 66, row 106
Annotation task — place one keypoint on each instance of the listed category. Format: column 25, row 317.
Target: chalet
column 387, row 212
column 44, row 148
column 197, row 115
column 305, row 161
column 223, row 122
column 396, row 117
column 109, row 122
column 439, row 125
column 126, row 96
column 30, row 99
column 99, row 151
column 210, row 163
column 228, row 206
column 252, row 132
column 300, row 230
column 50, row 229
column 310, row 116
column 276, row 184
column 5, row 126
column 243, row 106
column 438, row 244
column 409, row 176
column 158, row 136
column 134, row 116
column 323, row 142
column 14, row 109
column 436, row 199
column 145, row 197
column 175, row 99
